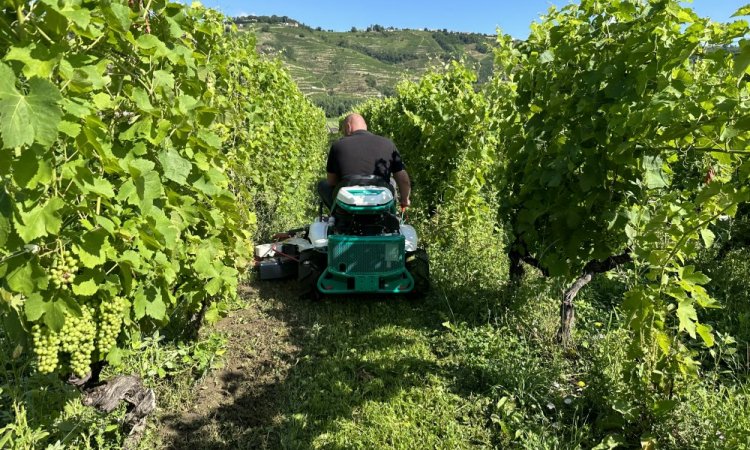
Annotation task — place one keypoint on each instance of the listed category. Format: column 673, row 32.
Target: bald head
column 352, row 123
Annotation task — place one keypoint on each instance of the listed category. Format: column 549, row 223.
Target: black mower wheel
column 418, row 265
column 312, row 263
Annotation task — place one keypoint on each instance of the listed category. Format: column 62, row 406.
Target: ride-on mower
column 362, row 247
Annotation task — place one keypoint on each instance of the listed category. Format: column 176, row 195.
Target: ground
column 341, row 373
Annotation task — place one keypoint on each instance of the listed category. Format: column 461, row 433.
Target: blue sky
column 484, row 16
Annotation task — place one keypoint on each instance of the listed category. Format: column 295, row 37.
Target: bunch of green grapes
column 110, row 322
column 63, row 270
column 77, row 338
column 46, row 347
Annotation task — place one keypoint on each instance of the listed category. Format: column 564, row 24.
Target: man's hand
column 404, row 187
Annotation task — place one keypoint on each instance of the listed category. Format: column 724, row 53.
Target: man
column 360, row 152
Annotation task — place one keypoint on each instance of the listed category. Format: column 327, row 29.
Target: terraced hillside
column 338, row 69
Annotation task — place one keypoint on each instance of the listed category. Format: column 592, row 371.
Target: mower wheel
column 418, row 265
column 312, row 263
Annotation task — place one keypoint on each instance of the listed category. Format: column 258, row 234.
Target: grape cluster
column 110, row 321
column 63, row 270
column 77, row 338
column 46, row 347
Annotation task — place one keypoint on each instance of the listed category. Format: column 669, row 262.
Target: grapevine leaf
column 139, row 304
column 204, row 263
column 664, row 342
column 98, row 185
column 114, row 356
column 86, row 284
column 213, row 286
column 30, row 170
column 28, row 118
column 742, row 60
column 20, row 276
column 69, row 128
column 176, row 168
column 148, row 188
column 151, row 42
column 213, row 314
column 141, row 100
column 688, row 316
column 40, row 220
column 708, row 237
column 165, row 228
column 690, row 275
column 164, row 79
column 118, row 16
column 186, row 103
column 106, row 224
column 91, row 248
column 34, row 307
column 33, row 65
column 4, row 229
column 54, row 316
column 654, row 177
column 706, row 333
column 156, row 308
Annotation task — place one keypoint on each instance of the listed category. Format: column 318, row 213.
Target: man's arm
column 404, row 186
column 333, row 179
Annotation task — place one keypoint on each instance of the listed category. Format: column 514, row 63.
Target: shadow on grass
column 348, row 354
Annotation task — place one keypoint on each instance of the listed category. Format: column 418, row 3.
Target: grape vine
column 620, row 135
column 139, row 146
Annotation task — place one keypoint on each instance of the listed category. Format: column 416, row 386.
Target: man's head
column 352, row 123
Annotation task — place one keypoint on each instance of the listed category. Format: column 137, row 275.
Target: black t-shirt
column 364, row 153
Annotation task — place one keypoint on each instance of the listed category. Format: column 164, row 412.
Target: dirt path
column 237, row 406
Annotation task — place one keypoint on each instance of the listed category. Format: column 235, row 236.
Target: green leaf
column 176, row 168
column 53, row 312
column 163, row 79
column 69, row 128
column 153, row 45
column 25, row 119
column 141, row 100
column 742, row 59
column 4, row 229
column 156, row 308
column 86, row 283
column 743, row 11
column 654, row 177
column 688, row 316
column 54, row 317
column 706, row 333
column 33, row 65
column 708, row 237
column 40, row 220
column 114, row 356
column 118, row 16
column 139, row 304
column 690, row 275
column 34, row 307
column 30, row 169
column 91, row 248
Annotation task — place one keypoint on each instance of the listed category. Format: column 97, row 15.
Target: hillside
column 338, row 69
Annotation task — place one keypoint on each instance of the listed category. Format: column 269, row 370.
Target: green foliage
column 450, row 165
column 139, row 148
column 335, row 105
column 609, row 101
